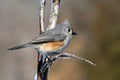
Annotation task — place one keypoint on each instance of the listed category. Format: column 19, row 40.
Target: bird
column 51, row 42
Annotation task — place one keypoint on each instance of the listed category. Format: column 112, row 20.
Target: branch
column 54, row 14
column 41, row 26
column 41, row 15
column 43, row 75
column 69, row 56
column 46, row 66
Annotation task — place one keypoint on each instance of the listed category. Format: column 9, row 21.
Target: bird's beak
column 74, row 33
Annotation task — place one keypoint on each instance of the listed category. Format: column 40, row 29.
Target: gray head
column 67, row 29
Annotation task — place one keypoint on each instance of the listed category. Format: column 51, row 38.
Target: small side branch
column 54, row 13
column 46, row 66
column 41, row 15
column 69, row 56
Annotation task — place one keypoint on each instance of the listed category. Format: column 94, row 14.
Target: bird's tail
column 19, row 47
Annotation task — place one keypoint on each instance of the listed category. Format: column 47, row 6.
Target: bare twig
column 69, row 56
column 41, row 15
column 48, row 63
column 41, row 26
column 54, row 14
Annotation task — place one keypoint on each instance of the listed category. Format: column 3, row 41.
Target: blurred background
column 97, row 23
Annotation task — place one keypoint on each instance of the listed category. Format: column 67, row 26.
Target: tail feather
column 19, row 47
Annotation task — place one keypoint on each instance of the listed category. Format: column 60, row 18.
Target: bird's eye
column 69, row 30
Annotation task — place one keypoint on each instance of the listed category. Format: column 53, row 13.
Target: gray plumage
column 56, row 34
column 48, row 36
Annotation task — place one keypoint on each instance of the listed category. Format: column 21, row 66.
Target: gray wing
column 48, row 37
